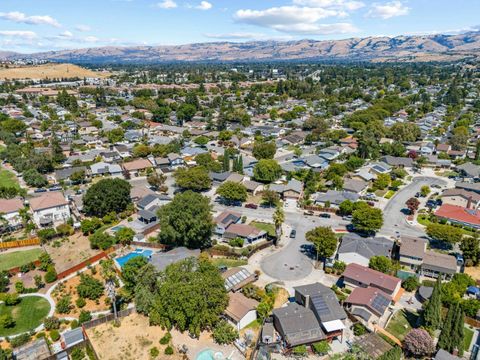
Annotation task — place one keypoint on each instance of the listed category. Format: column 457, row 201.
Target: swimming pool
column 208, row 354
column 137, row 252
column 116, row 228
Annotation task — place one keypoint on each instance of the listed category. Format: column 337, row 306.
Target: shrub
column 46, row 234
column 237, row 242
column 300, row 350
column 63, row 305
column 51, row 323
column 51, row 274
column 166, row 339
column 411, row 283
column 84, row 316
column 224, row 333
column 6, row 321
column 154, row 352
column 65, row 230
column 77, row 354
column 89, row 287
column 80, row 302
column 19, row 287
column 168, row 350
column 12, row 299
column 359, row 329
column 54, row 335
column 20, row 340
column 321, row 347
column 419, row 343
column 74, row 324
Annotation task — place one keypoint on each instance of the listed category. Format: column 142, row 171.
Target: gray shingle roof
column 366, row 247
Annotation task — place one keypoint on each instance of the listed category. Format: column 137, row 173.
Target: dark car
column 251, row 206
column 293, row 234
column 417, row 195
column 325, row 215
column 40, row 190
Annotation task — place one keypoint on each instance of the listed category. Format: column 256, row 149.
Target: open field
column 48, row 71
column 18, row 258
column 8, row 179
column 71, row 251
column 133, row 339
column 28, row 314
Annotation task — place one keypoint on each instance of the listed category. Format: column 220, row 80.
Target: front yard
column 269, row 228
column 8, row 179
column 401, row 323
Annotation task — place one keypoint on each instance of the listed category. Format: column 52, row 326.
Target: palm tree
column 278, row 219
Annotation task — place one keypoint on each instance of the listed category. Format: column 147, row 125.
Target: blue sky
column 41, row 25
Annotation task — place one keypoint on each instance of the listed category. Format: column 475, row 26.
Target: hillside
column 48, row 71
column 383, row 49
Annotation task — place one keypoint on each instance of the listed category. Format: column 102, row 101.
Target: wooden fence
column 83, row 264
column 19, row 243
column 150, row 245
column 17, row 269
column 107, row 318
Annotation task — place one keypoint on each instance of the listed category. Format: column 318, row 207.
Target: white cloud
column 83, row 28
column 66, row 34
column 388, row 10
column 90, row 39
column 346, row 5
column 29, row 35
column 21, row 18
column 296, row 19
column 167, row 4
column 204, row 5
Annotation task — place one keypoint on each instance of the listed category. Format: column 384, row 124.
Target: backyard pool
column 137, row 252
column 116, row 228
column 209, row 354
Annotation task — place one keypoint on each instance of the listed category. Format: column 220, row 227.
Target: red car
column 251, row 206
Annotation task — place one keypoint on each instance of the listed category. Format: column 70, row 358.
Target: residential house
column 356, row 275
column 355, row 186
column 459, row 215
column 369, row 305
column 373, row 345
column 334, row 198
column 10, row 212
column 359, row 250
column 247, row 232
column 50, row 209
column 103, row 169
column 161, row 260
column 292, row 190
column 315, row 315
column 135, row 167
column 236, row 278
column 151, row 200
column 469, row 170
column 413, row 254
column 225, row 219
column 241, row 311
column 395, row 161
column 218, row 178
column 461, row 197
column 253, row 187
column 64, row 174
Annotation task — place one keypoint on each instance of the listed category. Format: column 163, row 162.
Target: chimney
column 469, row 203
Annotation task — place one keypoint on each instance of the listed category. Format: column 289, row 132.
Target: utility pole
column 112, row 295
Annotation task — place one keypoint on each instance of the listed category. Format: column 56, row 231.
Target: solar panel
column 320, row 305
column 380, row 303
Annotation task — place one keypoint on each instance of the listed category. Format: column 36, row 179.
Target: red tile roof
column 459, row 213
column 371, row 277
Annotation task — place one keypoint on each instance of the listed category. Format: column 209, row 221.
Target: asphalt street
column 394, row 221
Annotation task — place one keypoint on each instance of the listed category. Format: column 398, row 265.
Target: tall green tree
column 186, row 221
column 368, row 219
column 267, row 171
column 195, row 178
column 108, row 195
column 451, row 337
column 324, row 241
column 232, row 191
column 432, row 315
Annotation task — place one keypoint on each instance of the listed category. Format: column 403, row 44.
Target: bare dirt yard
column 70, row 252
column 133, row 339
column 69, row 287
column 473, row 271
column 48, row 71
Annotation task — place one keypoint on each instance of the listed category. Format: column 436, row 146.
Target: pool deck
column 196, row 346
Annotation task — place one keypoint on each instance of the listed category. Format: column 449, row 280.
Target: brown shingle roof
column 138, row 164
column 47, row 201
column 239, row 306
column 10, row 205
column 412, row 246
column 371, row 277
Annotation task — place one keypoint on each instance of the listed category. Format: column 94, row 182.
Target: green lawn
column 389, row 194
column 422, row 219
column 229, row 262
column 401, row 323
column 28, row 314
column 18, row 258
column 269, row 228
column 467, row 339
column 8, row 179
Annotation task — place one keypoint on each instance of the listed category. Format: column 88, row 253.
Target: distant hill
column 48, row 71
column 378, row 49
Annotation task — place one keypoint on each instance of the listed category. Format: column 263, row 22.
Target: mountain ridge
column 437, row 47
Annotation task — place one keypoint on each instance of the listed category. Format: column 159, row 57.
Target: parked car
column 309, row 212
column 417, row 195
column 347, row 218
column 293, row 234
column 371, row 203
column 251, row 206
column 325, row 215
column 40, row 190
